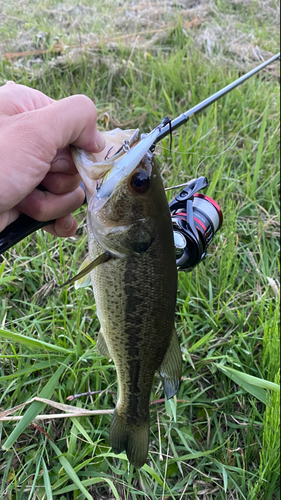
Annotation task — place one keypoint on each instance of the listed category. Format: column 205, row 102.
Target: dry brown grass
column 221, row 29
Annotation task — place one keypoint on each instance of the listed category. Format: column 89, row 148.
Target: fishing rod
column 195, row 217
column 184, row 117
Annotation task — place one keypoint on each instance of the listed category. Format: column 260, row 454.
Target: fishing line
column 187, row 152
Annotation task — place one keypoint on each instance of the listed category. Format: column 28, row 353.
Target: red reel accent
column 215, row 205
column 201, row 224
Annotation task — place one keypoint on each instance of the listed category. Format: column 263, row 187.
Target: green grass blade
column 259, row 382
column 197, row 454
column 74, row 487
column 70, row 471
column 153, row 474
column 7, row 279
column 47, row 483
column 259, row 155
column 168, row 101
column 34, row 479
column 81, row 429
column 31, row 343
column 29, row 369
column 257, row 392
column 90, row 482
column 204, row 340
column 5, row 474
column 36, row 407
column 224, row 475
column 114, row 490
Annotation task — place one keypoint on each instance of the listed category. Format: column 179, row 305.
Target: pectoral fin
column 102, row 346
column 86, row 269
column 85, row 280
column 171, row 367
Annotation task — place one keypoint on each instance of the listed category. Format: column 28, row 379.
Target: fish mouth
column 94, row 167
column 110, row 164
column 122, row 167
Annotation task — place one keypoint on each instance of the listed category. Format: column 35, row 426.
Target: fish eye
column 140, row 182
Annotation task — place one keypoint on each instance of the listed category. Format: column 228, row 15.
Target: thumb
column 71, row 120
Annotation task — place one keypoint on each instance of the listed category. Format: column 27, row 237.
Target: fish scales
column 135, row 294
column 127, row 293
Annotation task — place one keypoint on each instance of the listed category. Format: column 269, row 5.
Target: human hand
column 35, row 133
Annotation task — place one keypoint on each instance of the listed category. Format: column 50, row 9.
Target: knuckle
column 87, row 103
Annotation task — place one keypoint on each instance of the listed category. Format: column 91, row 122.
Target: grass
column 219, row 438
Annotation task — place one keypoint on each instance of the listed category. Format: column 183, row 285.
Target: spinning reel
column 195, row 218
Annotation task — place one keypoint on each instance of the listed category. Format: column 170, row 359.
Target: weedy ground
column 219, row 439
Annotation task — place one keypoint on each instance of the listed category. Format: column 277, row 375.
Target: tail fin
column 132, row 438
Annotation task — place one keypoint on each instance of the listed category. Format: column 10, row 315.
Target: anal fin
column 102, row 345
column 171, row 367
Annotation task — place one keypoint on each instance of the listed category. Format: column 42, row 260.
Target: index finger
column 63, row 162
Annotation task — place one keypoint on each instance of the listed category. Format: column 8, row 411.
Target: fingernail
column 100, row 142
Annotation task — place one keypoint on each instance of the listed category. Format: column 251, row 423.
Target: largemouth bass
column 133, row 272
